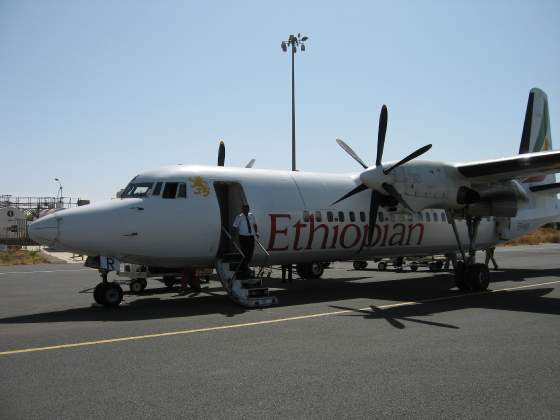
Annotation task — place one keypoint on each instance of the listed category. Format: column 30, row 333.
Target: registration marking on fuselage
column 265, row 322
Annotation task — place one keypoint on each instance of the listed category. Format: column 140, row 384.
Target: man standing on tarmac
column 245, row 226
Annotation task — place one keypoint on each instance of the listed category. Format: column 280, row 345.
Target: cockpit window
column 170, row 190
column 141, row 189
column 157, row 189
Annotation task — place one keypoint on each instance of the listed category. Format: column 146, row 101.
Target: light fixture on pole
column 59, row 193
column 294, row 42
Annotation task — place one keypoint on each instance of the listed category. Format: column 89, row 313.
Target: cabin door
column 230, row 198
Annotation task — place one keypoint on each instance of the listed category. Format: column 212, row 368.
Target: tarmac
column 353, row 344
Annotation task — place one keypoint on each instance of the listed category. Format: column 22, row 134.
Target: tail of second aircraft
column 536, row 136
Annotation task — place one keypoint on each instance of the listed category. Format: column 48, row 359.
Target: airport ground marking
column 44, row 271
column 264, row 322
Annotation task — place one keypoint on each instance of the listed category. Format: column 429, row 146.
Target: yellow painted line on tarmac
column 257, row 323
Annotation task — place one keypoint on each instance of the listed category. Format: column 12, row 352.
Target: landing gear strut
column 107, row 293
column 469, row 275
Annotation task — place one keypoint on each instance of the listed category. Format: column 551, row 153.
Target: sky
column 95, row 92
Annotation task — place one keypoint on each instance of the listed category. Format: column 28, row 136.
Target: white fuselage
column 296, row 219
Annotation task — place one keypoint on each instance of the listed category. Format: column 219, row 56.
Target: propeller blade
column 413, row 155
column 221, row 154
column 381, row 135
column 392, row 191
column 351, row 152
column 250, row 164
column 373, row 208
column 359, row 188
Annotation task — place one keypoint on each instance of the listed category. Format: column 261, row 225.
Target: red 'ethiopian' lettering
column 274, row 231
column 343, row 235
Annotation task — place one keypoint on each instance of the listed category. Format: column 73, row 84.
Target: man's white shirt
column 240, row 223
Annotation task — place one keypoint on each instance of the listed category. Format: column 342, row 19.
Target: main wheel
column 137, row 285
column 98, row 292
column 315, row 270
column 359, row 265
column 413, row 267
column 461, row 276
column 111, row 295
column 382, row 266
column 478, row 277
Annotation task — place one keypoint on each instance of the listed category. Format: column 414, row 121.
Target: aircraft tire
column 359, row 265
column 111, row 295
column 98, row 292
column 413, row 267
column 478, row 277
column 461, row 276
column 137, row 286
column 315, row 270
column 382, row 266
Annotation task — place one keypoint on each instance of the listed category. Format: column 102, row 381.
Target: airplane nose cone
column 44, row 230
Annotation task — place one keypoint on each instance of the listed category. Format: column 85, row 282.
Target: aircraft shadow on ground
column 160, row 303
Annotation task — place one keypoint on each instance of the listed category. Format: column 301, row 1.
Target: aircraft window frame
column 330, row 216
column 130, row 190
column 363, row 216
column 157, row 189
column 443, row 217
column 436, row 219
column 420, row 216
column 352, row 216
column 182, row 190
column 341, row 216
column 306, row 216
column 170, row 194
column 318, row 216
column 428, row 218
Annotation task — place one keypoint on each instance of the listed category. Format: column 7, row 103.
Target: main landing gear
column 107, row 293
column 469, row 275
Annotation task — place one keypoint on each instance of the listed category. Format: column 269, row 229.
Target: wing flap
column 529, row 164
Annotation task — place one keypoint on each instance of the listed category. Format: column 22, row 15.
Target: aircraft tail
column 536, row 136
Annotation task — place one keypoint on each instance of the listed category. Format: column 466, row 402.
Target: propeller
column 374, row 177
column 221, row 153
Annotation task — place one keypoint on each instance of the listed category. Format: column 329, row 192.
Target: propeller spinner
column 374, row 178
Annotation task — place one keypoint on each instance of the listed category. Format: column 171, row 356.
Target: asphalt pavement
column 353, row 344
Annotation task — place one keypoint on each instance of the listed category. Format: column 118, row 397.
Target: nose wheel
column 107, row 293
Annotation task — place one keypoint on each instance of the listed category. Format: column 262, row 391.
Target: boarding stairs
column 248, row 292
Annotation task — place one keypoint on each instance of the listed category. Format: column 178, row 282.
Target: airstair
column 247, row 292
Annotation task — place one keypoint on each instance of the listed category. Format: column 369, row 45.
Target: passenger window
column 420, row 216
column 170, row 190
column 318, row 216
column 362, row 216
column 341, row 216
column 428, row 217
column 352, row 216
column 330, row 217
column 182, row 190
column 305, row 216
column 435, row 217
column 443, row 218
column 381, row 218
column 157, row 189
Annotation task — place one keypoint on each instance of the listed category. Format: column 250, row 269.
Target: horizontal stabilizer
column 529, row 164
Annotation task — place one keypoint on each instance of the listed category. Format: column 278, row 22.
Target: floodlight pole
column 293, row 42
column 293, row 112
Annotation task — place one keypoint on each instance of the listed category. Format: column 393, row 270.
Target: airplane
column 180, row 216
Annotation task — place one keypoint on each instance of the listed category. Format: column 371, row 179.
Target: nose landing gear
column 107, row 293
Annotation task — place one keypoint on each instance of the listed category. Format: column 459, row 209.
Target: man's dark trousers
column 247, row 244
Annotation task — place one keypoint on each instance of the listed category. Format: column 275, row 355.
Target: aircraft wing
column 524, row 165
